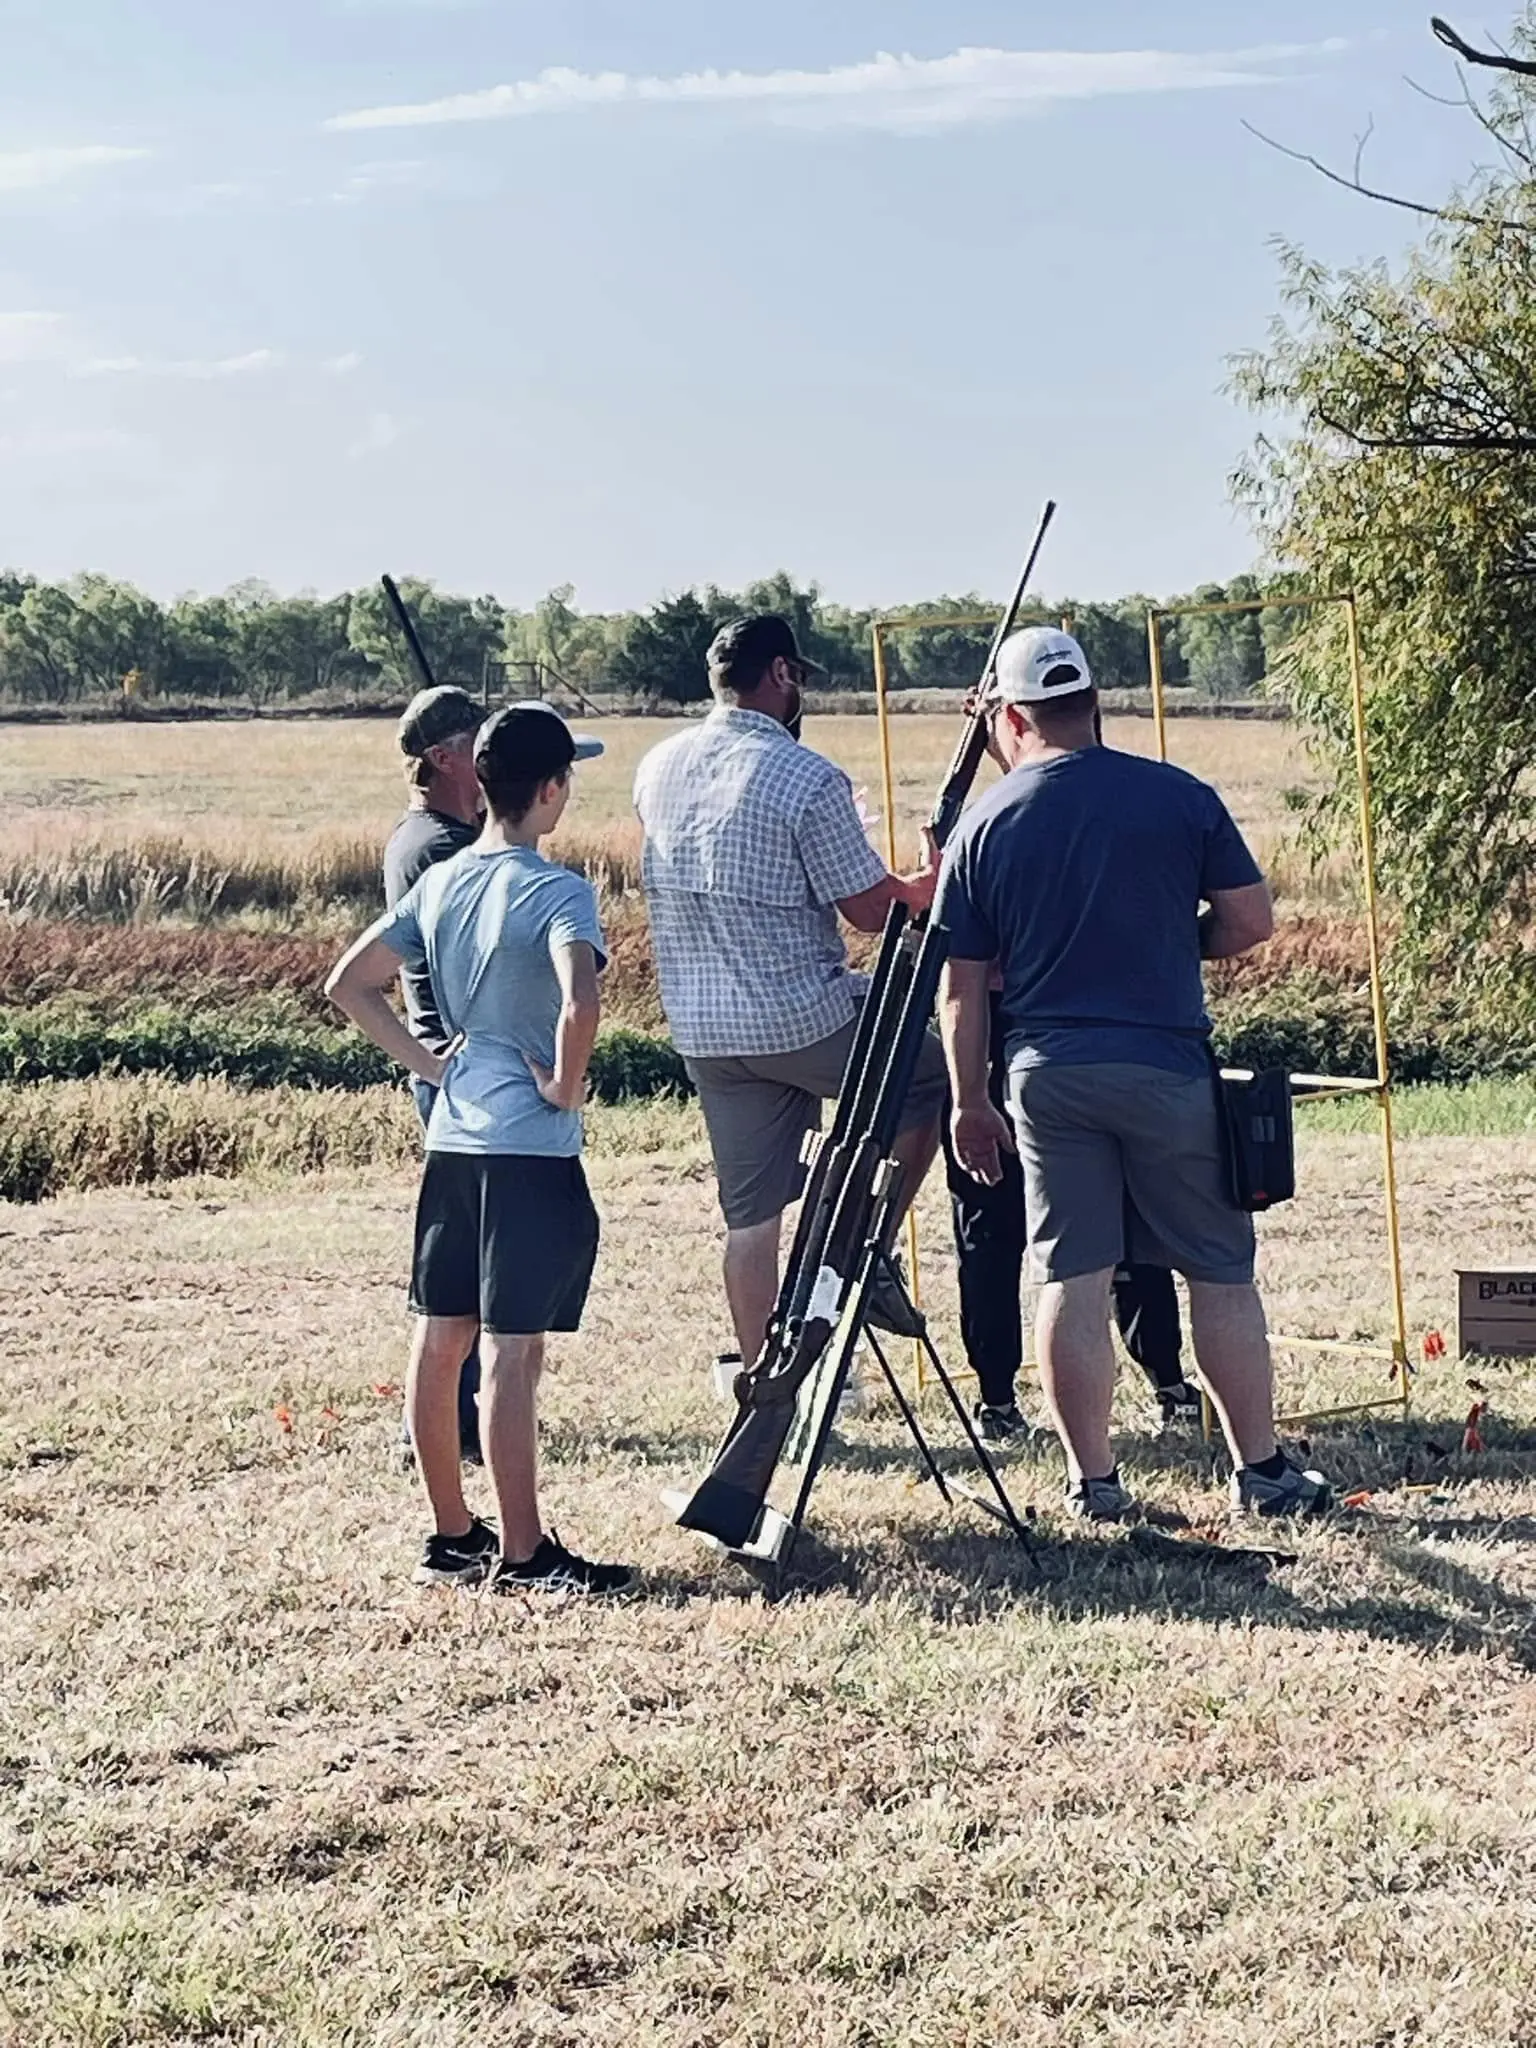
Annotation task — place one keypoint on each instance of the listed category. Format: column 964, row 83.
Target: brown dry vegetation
column 202, row 832
column 41, row 959
column 143, row 1130
column 274, row 788
column 1135, row 1788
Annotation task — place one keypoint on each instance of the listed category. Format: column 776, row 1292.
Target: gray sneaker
column 1295, row 1492
column 1100, row 1500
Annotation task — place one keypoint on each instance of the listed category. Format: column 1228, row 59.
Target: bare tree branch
column 1522, row 67
column 1441, row 213
column 1467, row 104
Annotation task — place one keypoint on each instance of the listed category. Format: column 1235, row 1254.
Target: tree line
column 94, row 639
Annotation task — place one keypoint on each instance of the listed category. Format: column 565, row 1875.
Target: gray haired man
column 442, row 817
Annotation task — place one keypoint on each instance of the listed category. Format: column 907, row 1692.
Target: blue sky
column 521, row 292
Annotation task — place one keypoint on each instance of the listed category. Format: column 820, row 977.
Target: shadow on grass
column 1395, row 1584
column 967, row 1576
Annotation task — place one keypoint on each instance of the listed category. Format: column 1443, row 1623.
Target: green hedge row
column 1329, row 1035
column 272, row 1044
column 266, row 1047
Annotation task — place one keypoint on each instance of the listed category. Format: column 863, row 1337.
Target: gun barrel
column 973, row 743
column 407, row 625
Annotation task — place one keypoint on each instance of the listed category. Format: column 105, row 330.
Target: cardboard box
column 1498, row 1314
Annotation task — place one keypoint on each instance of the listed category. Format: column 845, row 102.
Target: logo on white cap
column 1039, row 665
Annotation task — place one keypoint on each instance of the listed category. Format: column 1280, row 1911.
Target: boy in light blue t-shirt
column 506, row 1230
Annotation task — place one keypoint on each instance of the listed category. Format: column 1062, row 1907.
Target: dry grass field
column 297, row 787
column 1174, row 1785
column 1141, row 1787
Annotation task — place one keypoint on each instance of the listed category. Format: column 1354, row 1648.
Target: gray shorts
column 1126, row 1163
column 758, row 1110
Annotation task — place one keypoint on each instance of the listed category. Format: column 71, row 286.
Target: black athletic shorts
column 508, row 1238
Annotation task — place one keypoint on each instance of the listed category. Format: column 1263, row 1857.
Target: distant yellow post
column 1378, row 995
column 888, row 787
column 1155, row 666
column 887, row 781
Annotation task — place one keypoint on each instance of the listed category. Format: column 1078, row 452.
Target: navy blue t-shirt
column 1083, row 876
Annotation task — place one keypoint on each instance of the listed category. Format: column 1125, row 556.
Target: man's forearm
column 369, row 1009
column 1219, row 941
column 965, row 1023
column 575, row 1036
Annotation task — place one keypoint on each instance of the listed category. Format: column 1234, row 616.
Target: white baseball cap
column 1040, row 664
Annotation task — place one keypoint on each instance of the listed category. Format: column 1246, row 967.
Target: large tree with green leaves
column 663, row 658
column 1404, row 469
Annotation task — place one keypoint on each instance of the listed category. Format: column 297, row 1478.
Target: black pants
column 990, row 1240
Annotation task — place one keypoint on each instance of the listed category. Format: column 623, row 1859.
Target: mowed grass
column 291, row 790
column 1133, row 1787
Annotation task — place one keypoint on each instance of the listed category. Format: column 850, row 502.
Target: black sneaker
column 458, row 1560
column 554, row 1569
column 1181, row 1403
column 1295, row 1492
column 890, row 1306
column 1002, row 1425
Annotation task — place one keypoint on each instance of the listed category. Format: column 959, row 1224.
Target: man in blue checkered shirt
column 753, row 846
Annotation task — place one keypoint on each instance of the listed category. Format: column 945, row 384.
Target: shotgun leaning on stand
column 851, row 1206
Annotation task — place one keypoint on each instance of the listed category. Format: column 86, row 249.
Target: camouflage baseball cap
column 434, row 716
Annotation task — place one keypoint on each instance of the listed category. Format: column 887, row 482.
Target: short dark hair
column 1055, row 713
column 744, row 650
column 517, row 752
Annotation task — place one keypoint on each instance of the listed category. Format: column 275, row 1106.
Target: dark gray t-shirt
column 1083, row 877
column 418, row 842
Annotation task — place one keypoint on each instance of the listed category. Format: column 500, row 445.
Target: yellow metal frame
column 1309, row 1087
column 1327, row 1087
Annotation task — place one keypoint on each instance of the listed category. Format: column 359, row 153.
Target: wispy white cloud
column 900, row 92
column 382, row 432
column 200, row 369
column 393, row 174
column 343, row 365
column 28, row 170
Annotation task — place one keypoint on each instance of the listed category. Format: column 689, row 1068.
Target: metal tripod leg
column 1001, row 1505
column 886, row 1187
column 909, row 1417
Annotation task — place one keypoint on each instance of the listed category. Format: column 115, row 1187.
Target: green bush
column 267, row 1044
column 271, row 1042
column 1331, row 1034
